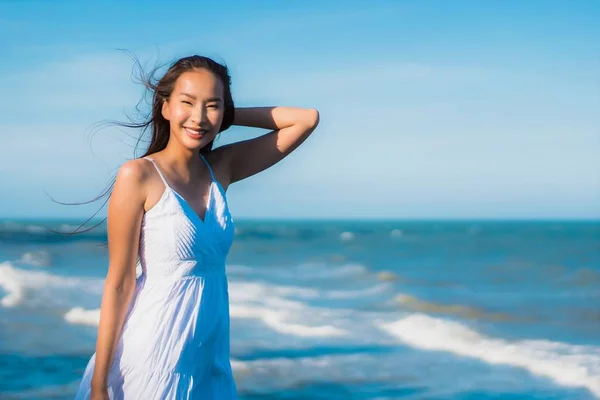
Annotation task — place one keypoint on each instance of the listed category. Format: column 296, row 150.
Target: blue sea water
column 341, row 309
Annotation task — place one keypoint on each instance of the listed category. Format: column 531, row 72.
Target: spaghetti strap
column 158, row 170
column 179, row 315
column 212, row 176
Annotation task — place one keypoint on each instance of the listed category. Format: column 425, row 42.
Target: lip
column 194, row 133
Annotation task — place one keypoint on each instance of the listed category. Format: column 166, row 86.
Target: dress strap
column 212, row 176
column 158, row 170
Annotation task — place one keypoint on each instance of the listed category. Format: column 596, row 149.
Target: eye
column 215, row 106
column 186, row 102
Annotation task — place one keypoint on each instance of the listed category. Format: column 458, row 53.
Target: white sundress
column 175, row 339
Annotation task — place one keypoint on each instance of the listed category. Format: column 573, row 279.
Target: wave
column 346, row 236
column 359, row 293
column 42, row 232
column 567, row 364
column 20, row 232
column 306, row 272
column 291, row 372
column 39, row 258
column 399, row 372
column 81, row 316
column 463, row 311
column 291, row 319
column 11, row 284
column 267, row 304
column 322, row 271
column 19, row 283
column 270, row 304
column 396, row 233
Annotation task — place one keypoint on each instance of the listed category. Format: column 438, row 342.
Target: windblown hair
column 159, row 127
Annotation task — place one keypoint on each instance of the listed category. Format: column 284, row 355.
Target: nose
column 199, row 115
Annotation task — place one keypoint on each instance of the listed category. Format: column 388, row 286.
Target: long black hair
column 161, row 90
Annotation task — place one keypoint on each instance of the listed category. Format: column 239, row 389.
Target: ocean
column 341, row 309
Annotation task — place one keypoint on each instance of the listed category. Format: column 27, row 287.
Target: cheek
column 180, row 113
column 217, row 117
column 176, row 112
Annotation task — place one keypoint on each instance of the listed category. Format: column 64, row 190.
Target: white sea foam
column 19, row 283
column 279, row 309
column 249, row 291
column 396, row 233
column 280, row 322
column 18, row 227
column 265, row 303
column 568, row 365
column 39, row 258
column 11, row 284
column 346, row 236
column 81, row 316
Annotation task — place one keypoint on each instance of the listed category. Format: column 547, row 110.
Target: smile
column 195, row 133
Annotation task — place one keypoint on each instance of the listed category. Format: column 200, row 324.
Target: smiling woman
column 165, row 334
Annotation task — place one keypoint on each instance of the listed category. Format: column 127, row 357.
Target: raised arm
column 290, row 127
column 125, row 211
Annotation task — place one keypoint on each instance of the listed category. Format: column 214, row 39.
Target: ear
column 165, row 111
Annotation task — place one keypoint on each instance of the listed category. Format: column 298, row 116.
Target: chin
column 198, row 144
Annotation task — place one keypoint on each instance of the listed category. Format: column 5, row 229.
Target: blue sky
column 429, row 109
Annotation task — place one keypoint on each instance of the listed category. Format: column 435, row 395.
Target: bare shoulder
column 130, row 182
column 125, row 213
column 134, row 171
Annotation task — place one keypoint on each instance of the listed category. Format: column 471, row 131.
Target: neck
column 184, row 161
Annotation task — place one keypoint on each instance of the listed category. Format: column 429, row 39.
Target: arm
column 125, row 211
column 290, row 127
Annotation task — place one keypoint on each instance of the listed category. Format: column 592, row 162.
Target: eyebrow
column 218, row 99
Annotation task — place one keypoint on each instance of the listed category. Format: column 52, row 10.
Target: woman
column 166, row 334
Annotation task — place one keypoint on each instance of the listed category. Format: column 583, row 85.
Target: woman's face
column 195, row 108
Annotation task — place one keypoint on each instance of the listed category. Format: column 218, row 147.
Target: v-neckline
column 188, row 205
column 185, row 202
